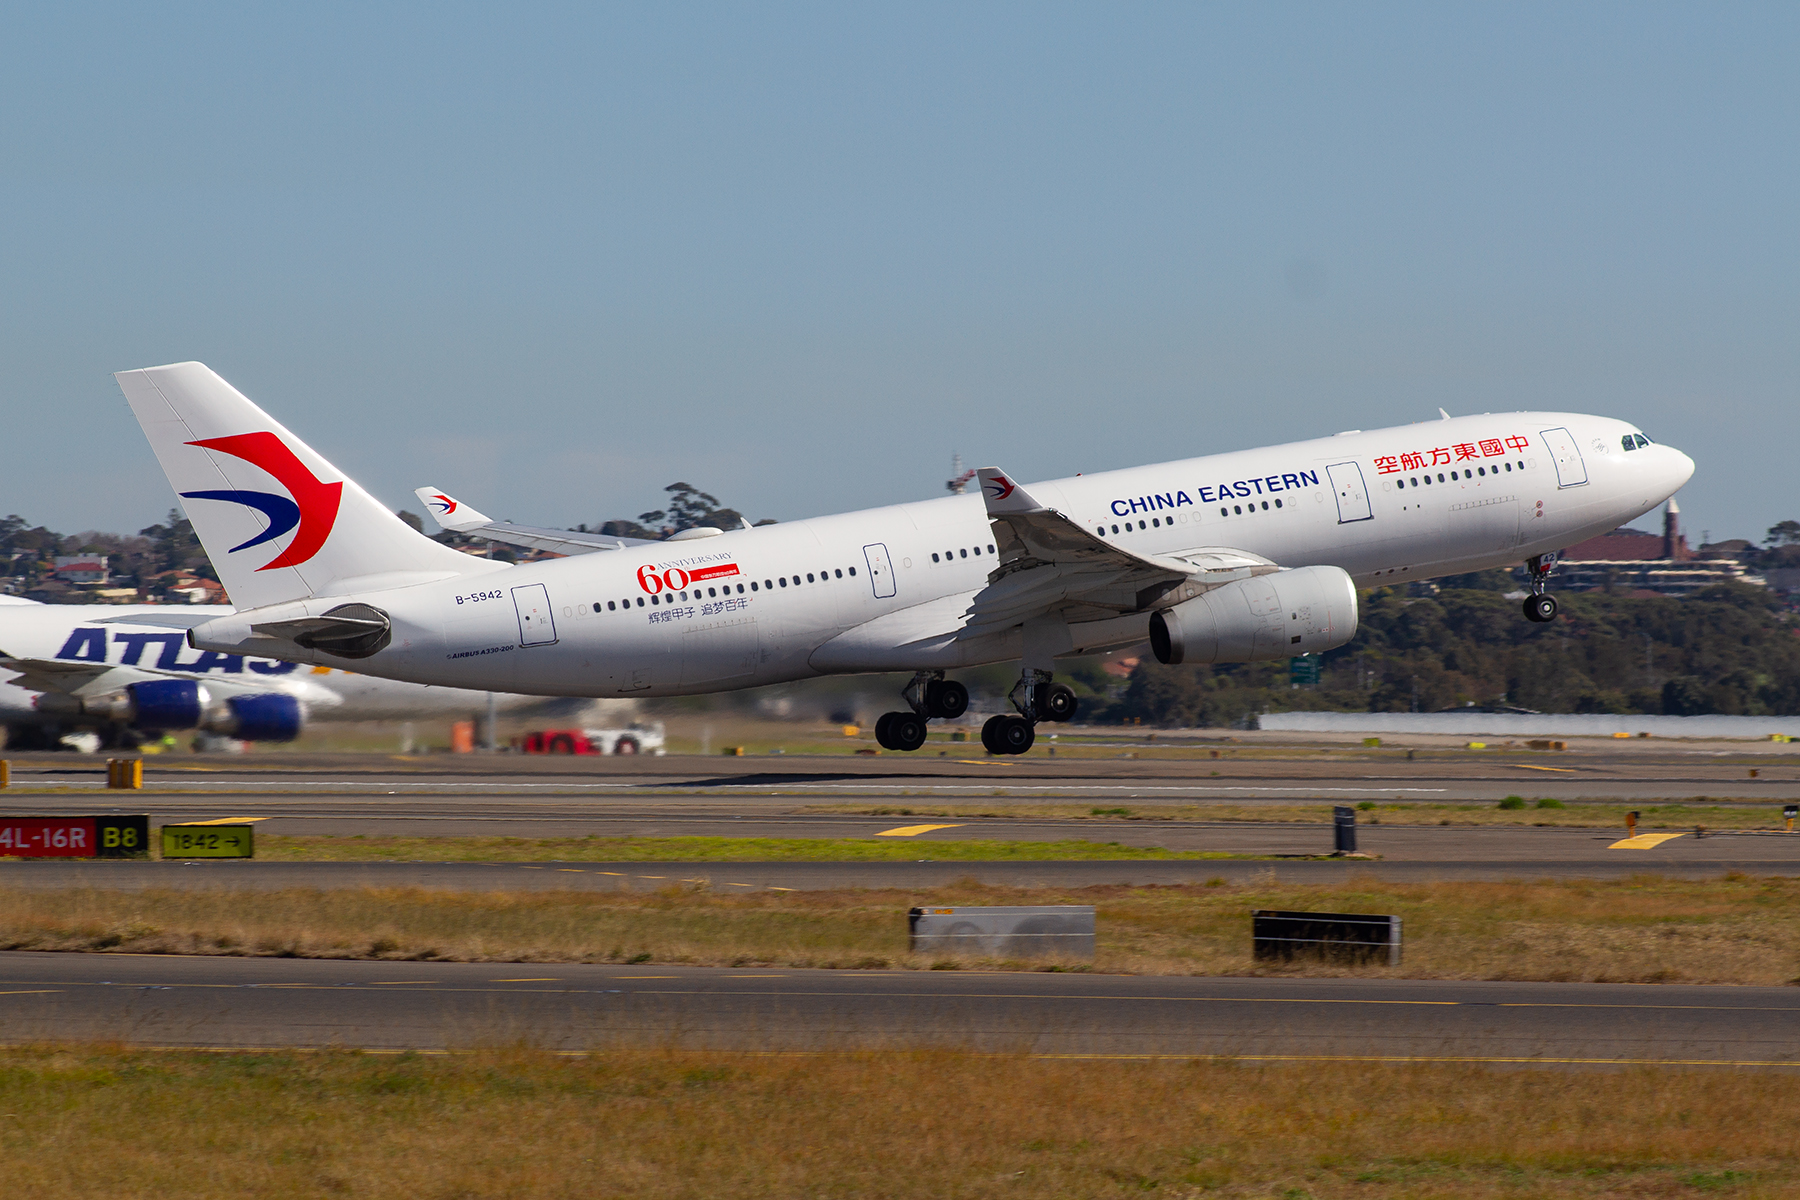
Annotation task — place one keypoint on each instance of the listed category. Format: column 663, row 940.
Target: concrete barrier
column 1023, row 931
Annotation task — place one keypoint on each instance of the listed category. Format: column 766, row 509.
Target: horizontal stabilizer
column 452, row 514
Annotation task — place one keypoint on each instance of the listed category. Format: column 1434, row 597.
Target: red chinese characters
column 1444, row 456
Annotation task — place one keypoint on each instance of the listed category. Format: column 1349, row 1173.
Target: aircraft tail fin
column 278, row 521
column 449, row 512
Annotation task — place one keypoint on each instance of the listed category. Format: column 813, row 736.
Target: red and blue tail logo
column 313, row 506
column 998, row 488
column 443, row 504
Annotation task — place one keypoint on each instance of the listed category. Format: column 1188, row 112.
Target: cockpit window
column 1629, row 442
column 1641, row 439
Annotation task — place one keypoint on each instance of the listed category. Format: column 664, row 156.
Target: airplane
column 92, row 675
column 1237, row 557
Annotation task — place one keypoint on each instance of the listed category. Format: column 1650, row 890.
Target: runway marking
column 646, row 977
column 1530, row 767
column 32, row 992
column 913, row 830
column 773, row 888
column 727, row 885
column 383, row 982
column 572, row 870
column 1645, row 841
column 652, row 876
column 227, row 821
column 536, row 979
column 620, row 874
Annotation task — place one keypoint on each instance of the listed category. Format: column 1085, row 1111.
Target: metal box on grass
column 1024, row 931
column 1336, row 937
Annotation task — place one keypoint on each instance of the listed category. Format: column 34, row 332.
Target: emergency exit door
column 532, row 602
column 1352, row 497
column 881, row 571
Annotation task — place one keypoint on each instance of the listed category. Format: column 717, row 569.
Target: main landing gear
column 1540, row 606
column 1037, row 699
column 929, row 695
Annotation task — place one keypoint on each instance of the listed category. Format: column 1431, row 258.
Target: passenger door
column 1571, row 471
column 881, row 571
column 1352, row 497
column 532, row 603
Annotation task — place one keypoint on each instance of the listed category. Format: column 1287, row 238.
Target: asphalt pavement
column 265, row 1002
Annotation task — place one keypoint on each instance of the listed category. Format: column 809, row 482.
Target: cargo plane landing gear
column 1540, row 606
column 929, row 695
column 1037, row 699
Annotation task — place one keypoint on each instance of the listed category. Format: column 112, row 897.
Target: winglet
column 450, row 513
column 1003, row 495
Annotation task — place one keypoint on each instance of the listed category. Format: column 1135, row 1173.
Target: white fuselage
column 886, row 589
column 103, row 633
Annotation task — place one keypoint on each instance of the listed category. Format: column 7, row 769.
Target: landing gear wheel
column 1056, row 702
column 946, row 698
column 905, row 731
column 1540, row 608
column 1011, row 735
column 987, row 734
column 881, row 731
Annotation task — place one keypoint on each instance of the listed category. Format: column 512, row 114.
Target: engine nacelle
column 267, row 717
column 167, row 704
column 1282, row 615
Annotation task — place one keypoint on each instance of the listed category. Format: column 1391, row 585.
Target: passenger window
column 840, row 574
column 1400, row 483
column 1265, row 506
column 684, row 597
column 1115, row 529
column 741, row 588
column 852, row 570
column 711, row 592
column 1238, row 509
column 656, row 599
column 796, row 581
column 784, row 581
column 1141, row 525
column 753, row 585
column 596, row 606
column 809, row 577
column 934, row 556
column 1224, row 512
column 640, row 602
column 965, row 554
column 1440, row 477
column 1509, row 466
column 1278, row 504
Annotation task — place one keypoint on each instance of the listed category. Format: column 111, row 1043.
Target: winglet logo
column 999, row 487
column 314, row 506
column 443, row 503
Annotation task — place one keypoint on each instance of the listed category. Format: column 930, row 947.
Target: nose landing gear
column 1540, row 606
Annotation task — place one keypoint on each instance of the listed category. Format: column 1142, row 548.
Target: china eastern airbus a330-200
column 1237, row 557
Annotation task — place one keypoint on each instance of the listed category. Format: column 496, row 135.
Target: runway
column 1261, row 774
column 261, row 1002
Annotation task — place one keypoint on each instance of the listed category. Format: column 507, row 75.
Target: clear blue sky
column 552, row 258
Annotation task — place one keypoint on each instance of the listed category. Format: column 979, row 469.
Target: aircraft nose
column 1681, row 468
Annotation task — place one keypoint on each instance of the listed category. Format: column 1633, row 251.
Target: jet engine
column 266, row 717
column 162, row 704
column 165, row 705
column 1282, row 615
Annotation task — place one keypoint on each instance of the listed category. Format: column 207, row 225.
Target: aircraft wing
column 1051, row 566
column 53, row 675
column 453, row 515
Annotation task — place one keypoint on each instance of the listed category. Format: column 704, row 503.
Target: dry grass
column 1712, row 813
column 1651, row 930
column 100, row 1122
column 594, row 848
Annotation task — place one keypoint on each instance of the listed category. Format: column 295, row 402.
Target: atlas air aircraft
column 124, row 672
column 1237, row 557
